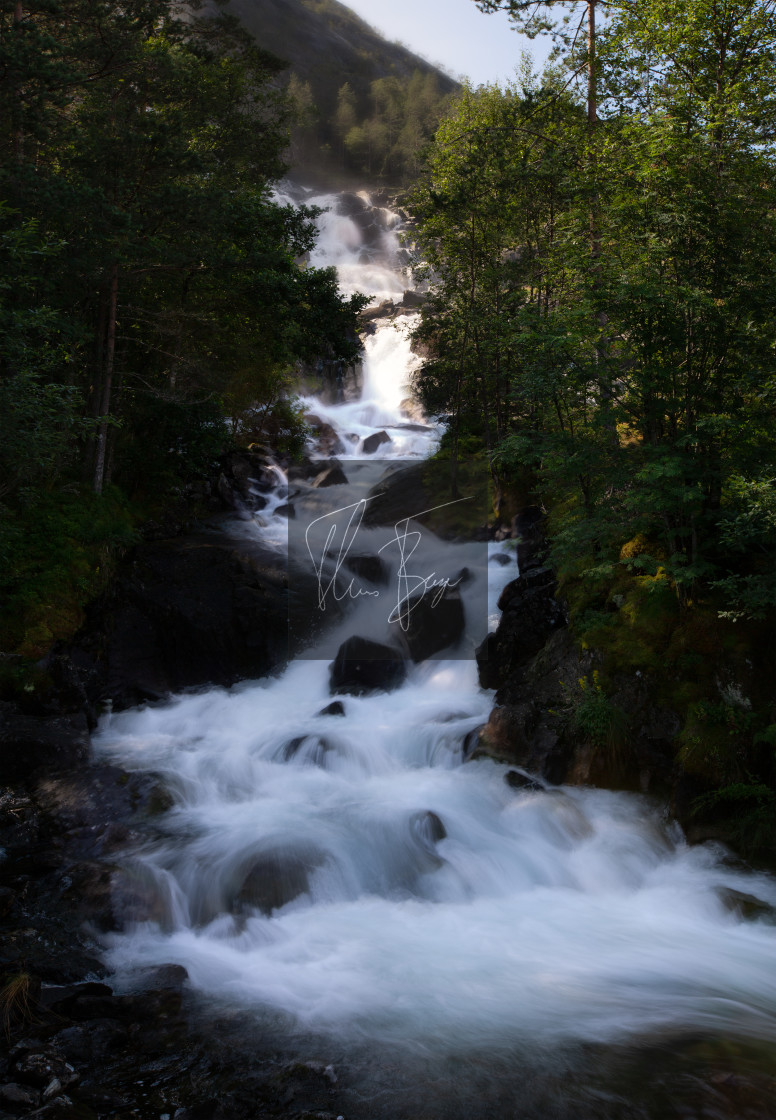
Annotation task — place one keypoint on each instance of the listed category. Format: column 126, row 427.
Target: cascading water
column 352, row 875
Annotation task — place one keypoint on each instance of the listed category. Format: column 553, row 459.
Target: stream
column 350, row 880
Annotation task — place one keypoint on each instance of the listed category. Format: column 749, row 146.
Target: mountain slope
column 329, row 47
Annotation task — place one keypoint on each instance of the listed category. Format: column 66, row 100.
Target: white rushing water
column 355, row 875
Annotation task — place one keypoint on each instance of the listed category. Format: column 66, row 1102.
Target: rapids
column 415, row 899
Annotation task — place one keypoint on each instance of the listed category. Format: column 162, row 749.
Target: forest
column 153, row 299
column 601, row 325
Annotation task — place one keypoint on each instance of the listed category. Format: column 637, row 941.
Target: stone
column 436, row 622
column 39, row 1068
column 371, row 568
column 275, row 878
column 516, row 779
column 363, row 666
column 332, row 476
column 29, row 744
column 326, row 440
column 286, row 510
column 18, row 1097
column 377, row 439
column 413, row 300
column 336, row 708
column 192, row 611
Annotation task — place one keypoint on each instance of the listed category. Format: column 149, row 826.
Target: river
column 352, row 880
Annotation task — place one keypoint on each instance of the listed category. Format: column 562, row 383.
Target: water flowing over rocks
column 259, row 902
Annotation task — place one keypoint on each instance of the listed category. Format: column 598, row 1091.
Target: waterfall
column 353, row 875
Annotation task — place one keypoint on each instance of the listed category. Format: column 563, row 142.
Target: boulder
column 435, row 622
column 413, row 300
column 182, row 613
column 371, row 568
column 275, row 878
column 377, row 439
column 336, row 708
column 362, row 666
column 326, row 440
column 333, row 475
column 516, row 779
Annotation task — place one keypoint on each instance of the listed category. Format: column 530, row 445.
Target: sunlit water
column 421, row 900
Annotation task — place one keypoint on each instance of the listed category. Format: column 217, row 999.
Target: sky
column 454, row 34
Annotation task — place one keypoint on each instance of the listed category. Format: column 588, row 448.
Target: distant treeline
column 380, row 135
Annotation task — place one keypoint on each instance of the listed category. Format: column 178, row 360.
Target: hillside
column 368, row 105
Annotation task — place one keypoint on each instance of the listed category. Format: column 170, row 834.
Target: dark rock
column 18, row 1098
column 377, row 439
column 331, row 476
column 304, row 470
column 313, row 749
column 436, row 621
column 327, row 442
column 470, row 742
column 286, row 510
column 275, row 878
column 413, row 300
column 488, row 663
column 427, row 827
column 530, row 614
column 371, row 568
column 384, row 310
column 193, row 611
column 92, row 1040
column 362, row 666
column 515, row 779
column 29, row 744
column 7, row 900
column 39, row 1068
column 336, row 708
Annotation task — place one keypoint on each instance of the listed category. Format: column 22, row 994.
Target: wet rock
column 326, row 440
column 411, row 408
column 18, row 1098
column 427, row 827
column 192, row 611
column 336, row 708
column 332, row 476
column 40, row 1068
column 471, row 742
column 516, row 779
column 29, row 744
column 436, row 621
column 275, row 878
column 286, row 510
column 363, row 666
column 530, row 614
column 413, row 300
column 92, row 1040
column 385, row 310
column 7, row 900
column 377, row 439
column 371, row 568
column 311, row 749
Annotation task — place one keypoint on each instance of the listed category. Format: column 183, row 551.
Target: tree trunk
column 18, row 127
column 110, row 350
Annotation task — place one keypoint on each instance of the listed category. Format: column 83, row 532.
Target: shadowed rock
column 362, row 666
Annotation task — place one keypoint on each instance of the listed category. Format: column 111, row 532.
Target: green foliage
column 58, row 553
column 749, row 810
column 598, row 720
column 151, row 297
